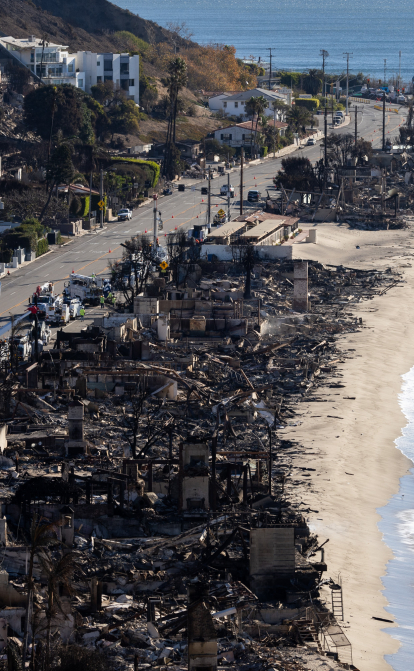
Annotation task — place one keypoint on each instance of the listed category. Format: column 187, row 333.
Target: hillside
column 92, row 31
column 101, row 17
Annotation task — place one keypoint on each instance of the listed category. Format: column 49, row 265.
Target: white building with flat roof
column 53, row 64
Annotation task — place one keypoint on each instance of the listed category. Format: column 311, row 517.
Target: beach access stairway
column 320, row 630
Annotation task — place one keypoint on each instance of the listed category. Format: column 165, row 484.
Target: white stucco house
column 55, row 65
column 234, row 103
column 240, row 134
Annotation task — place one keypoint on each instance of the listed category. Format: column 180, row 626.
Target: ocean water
column 397, row 526
column 297, row 30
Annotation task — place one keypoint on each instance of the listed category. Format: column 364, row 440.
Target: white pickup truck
column 224, row 190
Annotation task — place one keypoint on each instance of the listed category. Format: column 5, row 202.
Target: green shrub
column 310, row 103
column 153, row 168
column 42, row 247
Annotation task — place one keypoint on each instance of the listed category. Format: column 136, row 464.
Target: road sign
column 163, row 265
column 101, row 204
column 221, row 212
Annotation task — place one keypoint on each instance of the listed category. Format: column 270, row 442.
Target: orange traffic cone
column 109, row 252
column 172, row 216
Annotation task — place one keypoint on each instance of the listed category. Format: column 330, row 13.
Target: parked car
column 124, row 214
column 254, row 196
column 311, row 142
column 167, row 192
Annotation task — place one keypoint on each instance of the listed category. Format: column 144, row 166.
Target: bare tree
column 245, row 253
column 132, row 273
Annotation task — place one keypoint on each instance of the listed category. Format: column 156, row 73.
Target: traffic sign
column 163, row 265
column 101, row 204
column 221, row 212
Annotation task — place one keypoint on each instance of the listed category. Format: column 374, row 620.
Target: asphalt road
column 92, row 253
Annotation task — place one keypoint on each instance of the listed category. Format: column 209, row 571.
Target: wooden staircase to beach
column 337, row 601
column 308, row 633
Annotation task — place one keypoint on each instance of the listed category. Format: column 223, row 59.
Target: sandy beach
column 357, row 464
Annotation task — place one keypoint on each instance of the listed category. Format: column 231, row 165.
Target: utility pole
column 325, row 157
column 399, row 72
column 385, row 71
column 324, row 55
column 356, row 123
column 241, row 180
column 155, row 235
column 90, row 200
column 348, row 55
column 228, row 197
column 209, row 200
column 270, row 68
column 101, row 199
column 383, row 121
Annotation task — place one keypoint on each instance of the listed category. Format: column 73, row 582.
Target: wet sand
column 358, row 465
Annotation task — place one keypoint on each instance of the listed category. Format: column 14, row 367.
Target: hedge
column 42, row 247
column 84, row 213
column 310, row 103
column 152, row 165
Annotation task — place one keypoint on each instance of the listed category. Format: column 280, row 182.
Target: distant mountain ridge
column 82, row 25
column 101, row 16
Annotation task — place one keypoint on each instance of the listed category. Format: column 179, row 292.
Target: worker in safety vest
column 102, row 299
column 82, row 313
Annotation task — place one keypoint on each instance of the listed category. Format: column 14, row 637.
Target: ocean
column 397, row 526
column 297, row 30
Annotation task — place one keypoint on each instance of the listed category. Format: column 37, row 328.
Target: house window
column 70, row 67
column 236, row 104
column 225, row 104
column 124, row 84
column 98, row 79
column 108, row 78
column 108, row 66
column 243, row 137
column 242, row 102
column 221, row 136
column 98, row 63
column 132, row 82
column 227, row 136
column 124, row 68
column 80, row 83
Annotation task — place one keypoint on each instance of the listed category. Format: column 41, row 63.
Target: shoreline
column 359, row 467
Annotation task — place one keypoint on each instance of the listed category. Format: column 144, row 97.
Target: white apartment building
column 55, row 65
column 122, row 69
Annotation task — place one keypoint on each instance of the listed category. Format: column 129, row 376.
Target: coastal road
column 92, row 253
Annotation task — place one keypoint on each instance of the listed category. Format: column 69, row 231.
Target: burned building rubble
column 376, row 195
column 151, row 453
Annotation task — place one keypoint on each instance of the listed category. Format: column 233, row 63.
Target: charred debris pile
column 150, row 444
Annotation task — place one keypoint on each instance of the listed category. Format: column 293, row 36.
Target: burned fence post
column 300, row 286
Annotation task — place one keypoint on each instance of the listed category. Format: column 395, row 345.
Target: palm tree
column 58, row 573
column 298, row 118
column 176, row 80
column 42, row 535
column 255, row 107
column 313, row 82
